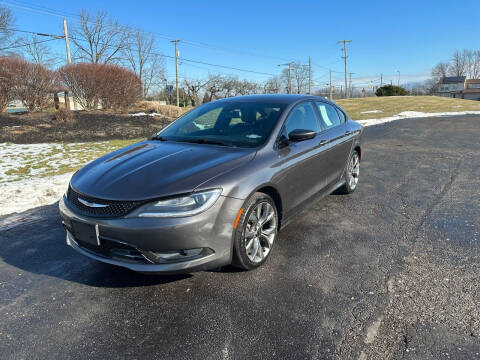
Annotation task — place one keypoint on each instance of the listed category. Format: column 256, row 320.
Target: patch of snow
column 22, row 195
column 371, row 112
column 145, row 114
column 411, row 115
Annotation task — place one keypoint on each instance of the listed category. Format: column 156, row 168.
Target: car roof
column 274, row 98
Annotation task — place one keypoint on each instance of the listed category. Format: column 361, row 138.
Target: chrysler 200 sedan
column 215, row 186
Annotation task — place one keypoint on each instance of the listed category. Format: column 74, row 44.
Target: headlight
column 188, row 205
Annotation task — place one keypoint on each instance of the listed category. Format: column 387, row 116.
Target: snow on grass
column 371, row 112
column 413, row 114
column 145, row 114
column 33, row 175
column 22, row 195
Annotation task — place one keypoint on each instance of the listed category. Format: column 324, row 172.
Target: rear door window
column 328, row 115
column 342, row 116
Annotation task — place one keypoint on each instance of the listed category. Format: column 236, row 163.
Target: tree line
column 462, row 63
column 97, row 38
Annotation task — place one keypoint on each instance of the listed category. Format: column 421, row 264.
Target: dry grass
column 171, row 111
column 392, row 105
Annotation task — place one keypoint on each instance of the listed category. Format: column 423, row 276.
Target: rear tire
column 352, row 173
column 256, row 232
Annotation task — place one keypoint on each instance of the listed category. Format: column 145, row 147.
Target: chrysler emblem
column 92, row 205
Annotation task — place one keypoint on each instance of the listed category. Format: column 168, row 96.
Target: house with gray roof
column 451, row 86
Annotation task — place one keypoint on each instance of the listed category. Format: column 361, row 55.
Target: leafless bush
column 63, row 115
column 171, row 111
column 119, row 87
column 83, row 82
column 35, row 83
column 9, row 68
column 109, row 85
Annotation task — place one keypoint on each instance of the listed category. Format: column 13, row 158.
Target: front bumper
column 125, row 241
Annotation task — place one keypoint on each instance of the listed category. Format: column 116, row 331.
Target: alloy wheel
column 353, row 171
column 260, row 231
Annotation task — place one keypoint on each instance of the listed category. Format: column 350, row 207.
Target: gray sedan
column 215, row 186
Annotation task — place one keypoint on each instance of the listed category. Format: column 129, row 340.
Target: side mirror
column 301, row 135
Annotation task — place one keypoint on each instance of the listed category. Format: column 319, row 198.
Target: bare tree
column 299, row 77
column 193, row 88
column 459, row 63
column 440, row 70
column 98, row 38
column 6, row 22
column 246, row 87
column 37, row 52
column 274, row 85
column 213, row 88
column 473, row 64
column 147, row 65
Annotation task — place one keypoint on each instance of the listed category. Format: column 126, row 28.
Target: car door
column 302, row 165
column 336, row 139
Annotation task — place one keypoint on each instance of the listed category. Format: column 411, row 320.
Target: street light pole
column 398, row 78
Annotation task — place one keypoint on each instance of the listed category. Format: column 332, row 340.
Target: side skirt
column 309, row 203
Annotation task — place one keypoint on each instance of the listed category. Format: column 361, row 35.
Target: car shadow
column 34, row 241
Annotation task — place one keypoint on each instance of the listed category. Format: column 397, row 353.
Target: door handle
column 322, row 142
column 348, row 132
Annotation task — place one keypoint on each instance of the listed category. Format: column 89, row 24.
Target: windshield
column 225, row 123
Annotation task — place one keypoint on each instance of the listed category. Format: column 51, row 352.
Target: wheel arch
column 276, row 197
column 358, row 149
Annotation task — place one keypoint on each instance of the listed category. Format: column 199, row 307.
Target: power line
column 197, row 61
column 27, row 44
column 59, row 13
column 153, row 53
column 53, row 12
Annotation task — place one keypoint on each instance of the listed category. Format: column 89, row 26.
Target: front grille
column 113, row 209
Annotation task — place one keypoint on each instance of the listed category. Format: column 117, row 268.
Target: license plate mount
column 85, row 232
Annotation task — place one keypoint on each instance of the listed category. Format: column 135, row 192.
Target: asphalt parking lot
column 389, row 272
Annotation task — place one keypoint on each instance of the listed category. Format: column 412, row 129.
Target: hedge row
column 90, row 85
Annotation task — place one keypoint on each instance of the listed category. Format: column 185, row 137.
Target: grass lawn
column 392, row 105
column 24, row 161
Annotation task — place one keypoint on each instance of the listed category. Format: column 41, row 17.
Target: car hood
column 152, row 169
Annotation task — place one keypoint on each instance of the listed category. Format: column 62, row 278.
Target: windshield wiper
column 204, row 141
column 157, row 137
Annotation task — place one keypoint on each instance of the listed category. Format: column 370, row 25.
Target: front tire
column 352, row 173
column 256, row 232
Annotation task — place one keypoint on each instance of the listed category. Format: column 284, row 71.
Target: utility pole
column 67, row 45
column 289, row 64
column 176, row 68
column 345, row 57
column 309, row 75
column 398, row 78
column 330, row 84
column 381, row 79
column 69, row 61
column 350, row 87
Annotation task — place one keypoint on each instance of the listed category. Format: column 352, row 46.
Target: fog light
column 173, row 256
